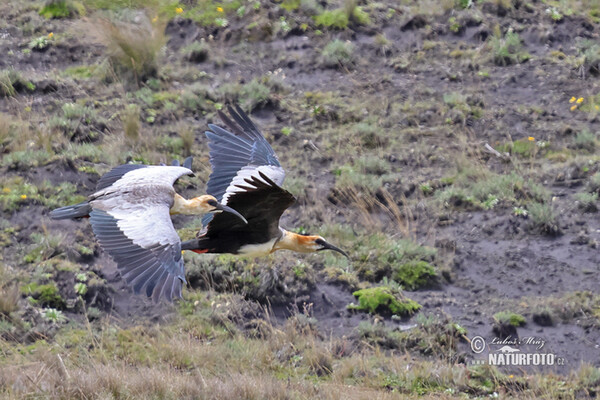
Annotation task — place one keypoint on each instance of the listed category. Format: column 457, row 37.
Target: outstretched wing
column 261, row 202
column 238, row 155
column 131, row 220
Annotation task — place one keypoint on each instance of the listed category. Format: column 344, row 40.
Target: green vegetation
column 17, row 192
column 415, row 274
column 384, row 299
column 134, row 50
column 587, row 202
column 337, row 54
column 405, row 145
column 473, row 188
column 62, row 9
column 510, row 318
column 11, row 83
column 78, row 122
column 44, row 295
column 594, row 183
column 544, row 218
column 40, row 43
column 341, row 17
column 508, row 50
column 586, row 140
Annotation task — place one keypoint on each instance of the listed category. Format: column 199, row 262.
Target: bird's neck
column 183, row 206
column 293, row 241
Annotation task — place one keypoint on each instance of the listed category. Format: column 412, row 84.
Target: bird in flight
column 130, row 216
column 247, row 176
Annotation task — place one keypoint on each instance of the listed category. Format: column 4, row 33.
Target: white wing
column 131, row 220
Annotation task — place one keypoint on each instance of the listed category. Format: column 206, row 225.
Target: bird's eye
column 212, row 203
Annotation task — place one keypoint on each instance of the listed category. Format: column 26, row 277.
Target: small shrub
column 386, row 300
column 508, row 50
column 370, row 135
column 586, row 140
column 45, row 295
column 587, row 202
column 510, row 318
column 80, row 123
column 415, row 274
column 590, row 50
column 341, row 17
column 134, row 49
column 254, row 94
column 62, row 9
column 11, row 82
column 593, row 185
column 543, row 218
column 9, row 300
column 39, row 44
column 338, row 53
column 53, row 315
column 131, row 123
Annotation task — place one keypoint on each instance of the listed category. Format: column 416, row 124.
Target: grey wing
column 146, row 248
column 131, row 220
column 230, row 152
column 237, row 155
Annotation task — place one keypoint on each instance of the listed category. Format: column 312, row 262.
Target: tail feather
column 199, row 245
column 80, row 210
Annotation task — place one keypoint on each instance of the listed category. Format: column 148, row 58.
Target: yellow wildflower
column 23, row 196
column 580, row 100
column 597, row 107
column 5, row 190
column 179, row 10
column 572, row 99
column 50, row 35
column 511, row 376
column 155, row 19
column 531, row 138
column 220, row 9
column 573, row 107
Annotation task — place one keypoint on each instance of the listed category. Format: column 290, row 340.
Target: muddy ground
column 492, row 260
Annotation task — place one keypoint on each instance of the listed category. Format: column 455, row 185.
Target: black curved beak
column 329, row 246
column 221, row 207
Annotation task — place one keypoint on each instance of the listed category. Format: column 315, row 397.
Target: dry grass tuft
column 131, row 123
column 134, row 48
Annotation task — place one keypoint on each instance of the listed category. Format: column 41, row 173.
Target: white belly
column 257, row 250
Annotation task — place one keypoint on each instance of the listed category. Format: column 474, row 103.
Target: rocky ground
column 451, row 148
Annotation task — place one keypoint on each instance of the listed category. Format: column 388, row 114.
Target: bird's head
column 207, row 204
column 308, row 243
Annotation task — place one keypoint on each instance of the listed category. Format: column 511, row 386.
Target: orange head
column 305, row 243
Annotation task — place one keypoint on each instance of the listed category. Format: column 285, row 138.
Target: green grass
column 510, row 318
column 415, row 274
column 508, row 50
column 544, row 218
column 338, row 53
column 134, row 50
column 340, row 18
column 44, row 295
column 587, row 202
column 11, row 83
column 62, row 9
column 17, row 192
column 383, row 299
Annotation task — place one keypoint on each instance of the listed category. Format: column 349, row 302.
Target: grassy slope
column 389, row 104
